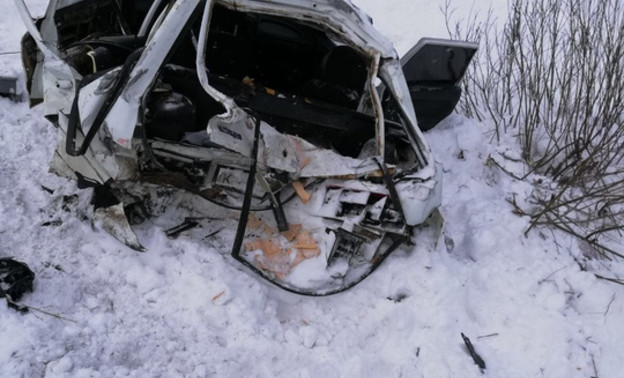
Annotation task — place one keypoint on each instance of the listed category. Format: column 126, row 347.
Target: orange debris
column 292, row 232
column 268, row 247
column 306, row 247
column 278, row 257
column 304, row 196
column 253, row 222
column 218, row 296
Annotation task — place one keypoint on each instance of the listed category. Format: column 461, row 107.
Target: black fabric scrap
column 16, row 278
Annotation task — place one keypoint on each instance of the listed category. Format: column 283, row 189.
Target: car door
column 433, row 69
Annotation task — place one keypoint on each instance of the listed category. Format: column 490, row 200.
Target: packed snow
column 186, row 308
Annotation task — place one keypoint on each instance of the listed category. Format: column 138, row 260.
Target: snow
column 185, row 308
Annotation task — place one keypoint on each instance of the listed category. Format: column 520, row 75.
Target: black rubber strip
column 113, row 95
column 396, row 243
column 394, row 195
column 251, row 180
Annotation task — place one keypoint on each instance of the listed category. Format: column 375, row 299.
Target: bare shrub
column 554, row 78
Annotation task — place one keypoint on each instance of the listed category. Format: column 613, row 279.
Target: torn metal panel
column 124, row 115
column 113, row 220
column 102, row 161
column 420, row 198
column 56, row 78
column 286, row 153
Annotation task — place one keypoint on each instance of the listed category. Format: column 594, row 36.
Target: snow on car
column 296, row 114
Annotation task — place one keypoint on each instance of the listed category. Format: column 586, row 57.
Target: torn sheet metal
column 113, row 220
column 124, row 115
column 287, row 153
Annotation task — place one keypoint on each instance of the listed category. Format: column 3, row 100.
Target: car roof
column 341, row 16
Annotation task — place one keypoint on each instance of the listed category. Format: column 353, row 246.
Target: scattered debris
column 56, row 267
column 188, row 224
column 399, row 297
column 68, row 201
column 477, row 359
column 47, row 190
column 52, row 223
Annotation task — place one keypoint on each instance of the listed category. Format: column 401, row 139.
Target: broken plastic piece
column 8, row 87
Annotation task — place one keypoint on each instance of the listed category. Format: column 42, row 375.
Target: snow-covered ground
column 185, row 308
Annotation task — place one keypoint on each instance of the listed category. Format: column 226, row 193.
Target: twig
column 614, row 280
column 516, row 209
column 25, row 308
column 491, row 160
column 60, row 317
column 550, row 275
column 490, row 335
column 573, row 133
column 567, row 228
column 595, row 368
column 609, row 305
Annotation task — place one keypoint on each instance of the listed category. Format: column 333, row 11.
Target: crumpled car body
column 297, row 114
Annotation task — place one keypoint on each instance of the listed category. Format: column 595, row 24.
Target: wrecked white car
column 297, row 114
